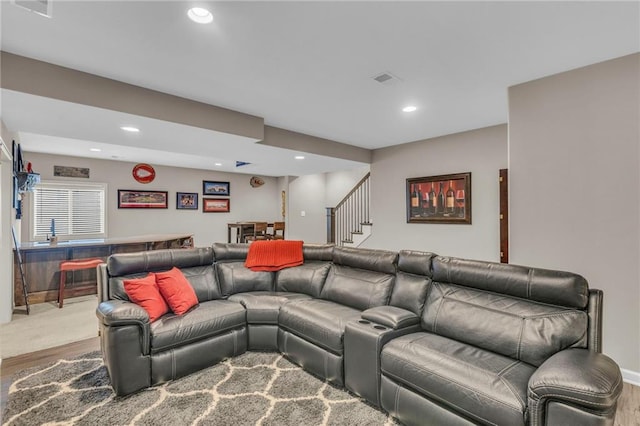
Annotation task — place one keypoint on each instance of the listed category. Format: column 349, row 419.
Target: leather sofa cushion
column 234, row 278
column 263, row 307
column 488, row 387
column 390, row 316
column 204, row 281
column 372, row 260
column 307, row 278
column 322, row 252
column 358, row 288
column 205, row 320
column 320, row 322
column 541, row 285
column 518, row 328
column 230, row 251
column 202, row 278
column 415, row 262
column 158, row 260
column 410, row 292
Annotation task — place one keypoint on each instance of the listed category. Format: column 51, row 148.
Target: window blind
column 77, row 209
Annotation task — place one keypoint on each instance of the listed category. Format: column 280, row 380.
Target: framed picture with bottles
column 439, row 199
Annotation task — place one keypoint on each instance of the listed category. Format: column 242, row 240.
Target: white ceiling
column 303, row 66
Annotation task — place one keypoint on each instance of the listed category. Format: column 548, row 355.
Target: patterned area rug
column 252, row 389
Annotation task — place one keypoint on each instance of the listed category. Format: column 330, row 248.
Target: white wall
column 482, row 152
column 247, row 203
column 574, row 183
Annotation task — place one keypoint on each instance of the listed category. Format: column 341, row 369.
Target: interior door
column 504, row 216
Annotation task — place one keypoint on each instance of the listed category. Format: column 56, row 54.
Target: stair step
column 356, row 232
column 366, row 223
column 348, row 241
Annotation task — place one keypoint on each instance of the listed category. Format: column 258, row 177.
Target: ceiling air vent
column 386, row 78
column 41, row 7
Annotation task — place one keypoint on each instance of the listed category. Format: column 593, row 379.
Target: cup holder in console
column 364, row 322
column 379, row 327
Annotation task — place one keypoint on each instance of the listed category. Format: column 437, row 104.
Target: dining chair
column 278, row 231
column 259, row 232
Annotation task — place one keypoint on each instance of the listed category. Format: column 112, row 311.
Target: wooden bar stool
column 73, row 265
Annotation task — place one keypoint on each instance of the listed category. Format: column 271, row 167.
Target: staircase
column 348, row 223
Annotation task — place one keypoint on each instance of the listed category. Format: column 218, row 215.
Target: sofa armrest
column 121, row 312
column 578, row 377
column 391, row 316
column 117, row 313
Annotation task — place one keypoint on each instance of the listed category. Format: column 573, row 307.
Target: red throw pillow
column 176, row 290
column 145, row 293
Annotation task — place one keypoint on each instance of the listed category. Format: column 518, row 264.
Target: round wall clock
column 143, row 173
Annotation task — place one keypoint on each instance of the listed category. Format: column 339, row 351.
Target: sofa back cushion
column 412, row 281
column 196, row 264
column 542, row 285
column 224, row 252
column 308, row 278
column 524, row 313
column 233, row 276
column 360, row 278
column 319, row 252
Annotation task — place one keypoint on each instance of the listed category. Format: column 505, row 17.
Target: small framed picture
column 132, row 199
column 216, row 205
column 216, row 188
column 187, row 200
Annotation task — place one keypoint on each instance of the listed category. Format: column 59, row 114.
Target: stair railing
column 350, row 214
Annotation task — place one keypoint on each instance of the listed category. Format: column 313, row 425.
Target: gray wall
column 247, row 203
column 6, row 214
column 482, row 152
column 338, row 184
column 313, row 194
column 306, row 194
column 574, row 187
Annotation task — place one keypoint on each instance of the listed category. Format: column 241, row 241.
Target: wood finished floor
column 628, row 413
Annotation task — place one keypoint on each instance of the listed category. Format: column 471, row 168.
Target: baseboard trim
column 631, row 377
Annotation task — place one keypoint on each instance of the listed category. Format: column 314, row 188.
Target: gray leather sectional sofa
column 429, row 339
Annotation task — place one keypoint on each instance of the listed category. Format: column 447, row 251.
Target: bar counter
column 41, row 263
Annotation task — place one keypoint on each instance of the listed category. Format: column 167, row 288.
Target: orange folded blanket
column 273, row 255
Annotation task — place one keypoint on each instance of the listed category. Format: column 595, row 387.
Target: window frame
column 69, row 186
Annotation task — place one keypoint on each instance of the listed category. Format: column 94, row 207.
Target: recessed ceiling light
column 299, row 157
column 130, row 129
column 218, row 164
column 409, row 108
column 95, row 149
column 200, row 15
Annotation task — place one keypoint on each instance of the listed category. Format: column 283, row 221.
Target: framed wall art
column 216, row 188
column 187, row 200
column 133, row 199
column 439, row 199
column 216, row 205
